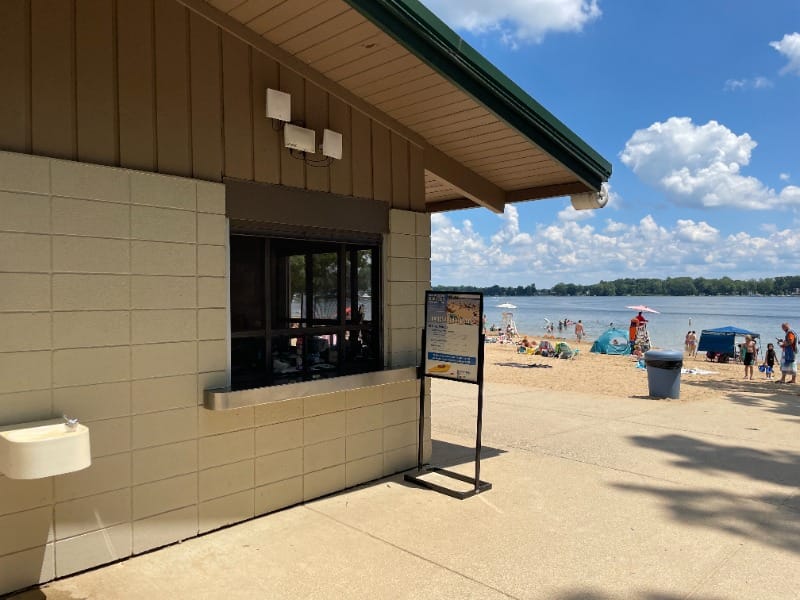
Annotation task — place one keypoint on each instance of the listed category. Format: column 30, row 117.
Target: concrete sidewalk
column 594, row 498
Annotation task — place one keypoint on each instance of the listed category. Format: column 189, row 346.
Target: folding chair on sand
column 564, row 351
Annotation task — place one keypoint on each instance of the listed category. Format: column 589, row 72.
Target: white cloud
column 784, row 176
column 517, row 21
column 699, row 165
column 510, row 233
column 580, row 253
column 689, row 231
column 460, row 252
column 791, row 194
column 756, row 83
column 789, row 46
column 570, row 214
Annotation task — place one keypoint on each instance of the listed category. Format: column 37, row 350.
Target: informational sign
column 452, row 335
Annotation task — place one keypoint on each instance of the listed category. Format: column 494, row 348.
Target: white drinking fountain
column 44, row 448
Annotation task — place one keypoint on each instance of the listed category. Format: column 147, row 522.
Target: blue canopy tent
column 612, row 341
column 722, row 340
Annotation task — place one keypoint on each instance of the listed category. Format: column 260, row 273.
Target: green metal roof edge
column 426, row 36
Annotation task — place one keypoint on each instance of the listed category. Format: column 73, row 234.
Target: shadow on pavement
column 778, row 466
column 645, row 595
column 760, row 393
column 445, row 454
column 524, row 365
column 723, row 511
column 751, row 519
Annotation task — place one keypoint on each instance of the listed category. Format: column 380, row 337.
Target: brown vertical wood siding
column 173, row 109
column 15, row 73
column 206, row 98
column 237, row 102
column 137, row 85
column 381, row 162
column 53, row 127
column 150, row 85
column 96, row 89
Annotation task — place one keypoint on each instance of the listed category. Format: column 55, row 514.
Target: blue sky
column 696, row 103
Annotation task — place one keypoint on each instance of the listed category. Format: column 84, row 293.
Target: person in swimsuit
column 748, row 356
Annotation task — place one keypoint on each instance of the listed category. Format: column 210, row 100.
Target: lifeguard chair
column 642, row 341
column 507, row 325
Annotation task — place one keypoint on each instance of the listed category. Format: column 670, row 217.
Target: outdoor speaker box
column 279, row 105
column 332, row 144
column 299, row 138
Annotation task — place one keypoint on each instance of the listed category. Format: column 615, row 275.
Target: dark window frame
column 278, row 324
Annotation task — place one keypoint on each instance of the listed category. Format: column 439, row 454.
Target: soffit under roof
column 348, row 49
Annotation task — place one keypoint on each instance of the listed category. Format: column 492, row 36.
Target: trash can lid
column 663, row 355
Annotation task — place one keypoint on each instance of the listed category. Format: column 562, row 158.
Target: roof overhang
column 485, row 141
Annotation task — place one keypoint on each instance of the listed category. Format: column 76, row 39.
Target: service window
column 303, row 309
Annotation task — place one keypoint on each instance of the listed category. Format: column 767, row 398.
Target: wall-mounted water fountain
column 44, row 448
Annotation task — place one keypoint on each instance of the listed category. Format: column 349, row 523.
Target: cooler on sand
column 664, row 373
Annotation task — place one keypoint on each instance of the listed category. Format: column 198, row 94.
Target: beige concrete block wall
column 408, row 275
column 112, row 289
column 113, row 308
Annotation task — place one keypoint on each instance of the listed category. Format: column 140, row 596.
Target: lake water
column 677, row 314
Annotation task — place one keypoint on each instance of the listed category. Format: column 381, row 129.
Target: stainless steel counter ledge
column 225, row 399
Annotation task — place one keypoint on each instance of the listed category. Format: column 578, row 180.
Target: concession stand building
column 214, row 251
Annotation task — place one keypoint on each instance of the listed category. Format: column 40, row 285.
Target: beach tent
column 612, row 341
column 722, row 339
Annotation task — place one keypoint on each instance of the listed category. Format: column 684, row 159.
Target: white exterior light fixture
column 590, row 200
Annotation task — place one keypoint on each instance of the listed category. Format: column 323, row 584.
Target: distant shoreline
column 784, row 285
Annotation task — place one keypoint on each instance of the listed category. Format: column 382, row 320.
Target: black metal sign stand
column 478, row 486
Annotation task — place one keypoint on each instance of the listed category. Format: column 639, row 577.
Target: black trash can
column 664, row 373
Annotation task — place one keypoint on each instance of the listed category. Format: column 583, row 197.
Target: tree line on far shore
column 671, row 286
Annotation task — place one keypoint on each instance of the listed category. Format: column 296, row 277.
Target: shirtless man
column 749, row 356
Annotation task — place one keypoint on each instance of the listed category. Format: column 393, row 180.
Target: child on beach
column 769, row 361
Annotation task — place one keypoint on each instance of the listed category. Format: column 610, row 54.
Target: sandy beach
column 618, row 375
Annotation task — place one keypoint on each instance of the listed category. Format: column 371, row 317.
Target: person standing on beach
column 693, row 343
column 748, row 355
column 579, row 330
column 769, row 360
column 632, row 329
column 789, row 347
